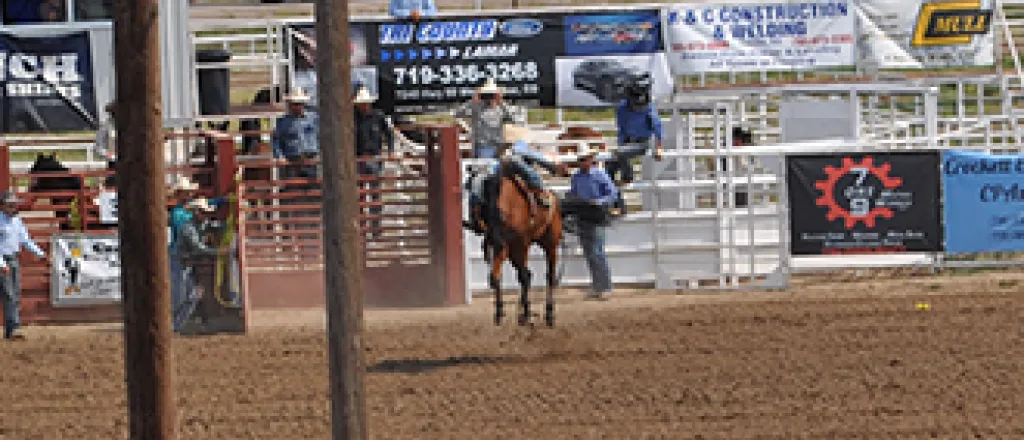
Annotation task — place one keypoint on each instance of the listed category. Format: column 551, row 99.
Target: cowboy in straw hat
column 13, row 236
column 372, row 132
column 296, row 132
column 488, row 116
column 194, row 255
column 412, row 9
column 589, row 200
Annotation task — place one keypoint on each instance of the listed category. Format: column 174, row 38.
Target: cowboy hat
column 489, row 88
column 297, row 96
column 363, row 96
column 184, row 184
column 200, row 204
column 9, row 197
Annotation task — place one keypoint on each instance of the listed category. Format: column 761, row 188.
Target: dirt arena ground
column 823, row 360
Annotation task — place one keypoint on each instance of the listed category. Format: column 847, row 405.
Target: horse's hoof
column 524, row 320
column 549, row 321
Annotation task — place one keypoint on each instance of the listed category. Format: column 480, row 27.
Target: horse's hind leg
column 495, row 282
column 518, row 255
column 550, row 244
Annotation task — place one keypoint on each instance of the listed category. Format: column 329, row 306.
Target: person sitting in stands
column 412, row 9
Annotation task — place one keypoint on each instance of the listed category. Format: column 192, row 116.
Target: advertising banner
column 864, row 203
column 46, row 83
column 904, row 34
column 984, row 201
column 760, row 37
column 545, row 59
column 86, row 270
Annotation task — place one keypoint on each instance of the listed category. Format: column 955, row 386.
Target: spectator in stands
column 412, row 9
column 591, row 193
column 488, row 116
column 638, row 125
column 295, row 136
column 106, row 136
column 372, row 131
column 13, row 236
column 52, row 11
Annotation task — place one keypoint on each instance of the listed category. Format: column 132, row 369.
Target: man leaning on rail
column 372, row 131
column 13, row 236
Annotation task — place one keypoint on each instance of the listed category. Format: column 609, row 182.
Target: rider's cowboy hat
column 363, row 96
column 184, row 184
column 297, row 96
column 201, row 204
column 515, row 133
column 489, row 88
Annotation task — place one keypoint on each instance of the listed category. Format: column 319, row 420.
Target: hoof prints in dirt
column 866, row 368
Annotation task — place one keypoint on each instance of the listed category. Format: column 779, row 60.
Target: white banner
column 760, row 37
column 906, row 34
column 86, row 270
column 107, row 204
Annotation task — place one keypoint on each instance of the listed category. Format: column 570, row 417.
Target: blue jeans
column 592, row 239
column 176, row 274
column 485, row 151
column 10, row 291
column 527, row 172
column 189, row 300
column 623, row 156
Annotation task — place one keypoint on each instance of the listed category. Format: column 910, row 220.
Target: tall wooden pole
column 343, row 261
column 143, row 228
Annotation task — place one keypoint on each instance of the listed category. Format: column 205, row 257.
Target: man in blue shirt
column 412, row 9
column 591, row 193
column 638, row 122
column 13, row 236
column 296, row 134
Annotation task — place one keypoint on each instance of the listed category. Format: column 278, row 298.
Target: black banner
column 864, row 203
column 545, row 59
column 47, row 83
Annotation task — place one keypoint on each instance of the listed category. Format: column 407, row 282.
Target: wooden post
column 152, row 410
column 343, row 261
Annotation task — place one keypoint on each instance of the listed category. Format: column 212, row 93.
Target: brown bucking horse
column 512, row 226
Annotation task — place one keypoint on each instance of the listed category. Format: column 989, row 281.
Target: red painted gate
column 411, row 224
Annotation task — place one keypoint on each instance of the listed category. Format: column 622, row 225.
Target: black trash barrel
column 214, row 84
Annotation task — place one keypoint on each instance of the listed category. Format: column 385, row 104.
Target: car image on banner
column 601, row 80
column 864, row 203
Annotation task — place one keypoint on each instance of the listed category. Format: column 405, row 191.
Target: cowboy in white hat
column 296, row 132
column 412, row 9
column 193, row 254
column 372, row 132
column 13, row 237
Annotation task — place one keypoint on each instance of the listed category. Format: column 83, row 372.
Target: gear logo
column 828, row 190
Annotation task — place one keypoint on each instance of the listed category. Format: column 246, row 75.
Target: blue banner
column 984, row 201
column 46, row 83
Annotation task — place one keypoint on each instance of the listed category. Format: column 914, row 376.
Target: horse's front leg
column 518, row 256
column 495, row 282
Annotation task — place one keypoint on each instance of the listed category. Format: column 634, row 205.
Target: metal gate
column 411, row 231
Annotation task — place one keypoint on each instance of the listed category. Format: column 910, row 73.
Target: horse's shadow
column 419, row 366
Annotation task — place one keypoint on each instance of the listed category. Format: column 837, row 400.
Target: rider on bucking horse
column 488, row 116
